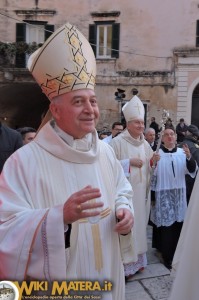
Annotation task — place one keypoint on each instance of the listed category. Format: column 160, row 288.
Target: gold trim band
column 104, row 213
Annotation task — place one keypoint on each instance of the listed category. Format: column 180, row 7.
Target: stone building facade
column 147, row 46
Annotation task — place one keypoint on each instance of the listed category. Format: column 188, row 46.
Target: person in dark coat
column 169, row 125
column 10, row 141
column 181, row 129
column 155, row 126
column 191, row 139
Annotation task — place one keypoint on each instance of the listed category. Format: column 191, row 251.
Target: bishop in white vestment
column 65, row 204
column 135, row 153
column 35, row 183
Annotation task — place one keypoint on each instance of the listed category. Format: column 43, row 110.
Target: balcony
column 15, row 54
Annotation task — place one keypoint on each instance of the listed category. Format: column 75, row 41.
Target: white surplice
column 185, row 262
column 126, row 147
column 34, row 185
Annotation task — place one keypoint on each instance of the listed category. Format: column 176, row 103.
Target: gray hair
column 147, row 130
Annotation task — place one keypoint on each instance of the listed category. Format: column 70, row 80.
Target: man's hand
column 156, row 157
column 78, row 205
column 126, row 221
column 186, row 151
column 136, row 162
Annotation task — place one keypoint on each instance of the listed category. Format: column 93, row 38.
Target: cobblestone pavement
column 154, row 283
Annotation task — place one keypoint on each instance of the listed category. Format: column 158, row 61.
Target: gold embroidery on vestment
column 97, row 245
column 104, row 213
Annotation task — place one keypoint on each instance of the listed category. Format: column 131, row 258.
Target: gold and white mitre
column 64, row 63
column 134, row 109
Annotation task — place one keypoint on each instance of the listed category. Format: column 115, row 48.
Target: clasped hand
column 136, row 162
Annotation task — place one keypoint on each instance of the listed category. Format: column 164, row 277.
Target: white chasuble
column 46, row 173
column 185, row 262
column 126, row 147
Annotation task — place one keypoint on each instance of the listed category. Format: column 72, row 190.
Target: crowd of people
column 84, row 211
column 174, row 177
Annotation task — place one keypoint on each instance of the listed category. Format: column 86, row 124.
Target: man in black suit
column 10, row 141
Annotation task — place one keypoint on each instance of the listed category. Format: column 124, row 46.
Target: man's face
column 169, row 138
column 103, row 136
column 150, row 136
column 117, row 129
column 29, row 136
column 135, row 127
column 76, row 112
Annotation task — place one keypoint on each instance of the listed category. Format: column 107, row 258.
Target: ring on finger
column 79, row 207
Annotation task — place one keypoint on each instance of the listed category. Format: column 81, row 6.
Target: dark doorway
column 22, row 104
column 195, row 107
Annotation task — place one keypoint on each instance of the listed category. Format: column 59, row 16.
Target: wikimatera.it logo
column 76, row 289
column 8, row 291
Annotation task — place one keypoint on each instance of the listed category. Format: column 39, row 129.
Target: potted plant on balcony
column 8, row 51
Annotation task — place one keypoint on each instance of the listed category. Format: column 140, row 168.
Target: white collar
column 83, row 144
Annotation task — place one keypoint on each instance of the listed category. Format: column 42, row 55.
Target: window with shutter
column 92, row 37
column 197, row 33
column 104, row 39
column 115, row 40
column 34, row 32
column 49, row 29
column 20, row 60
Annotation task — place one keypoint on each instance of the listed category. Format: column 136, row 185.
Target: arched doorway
column 195, row 107
column 22, row 104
